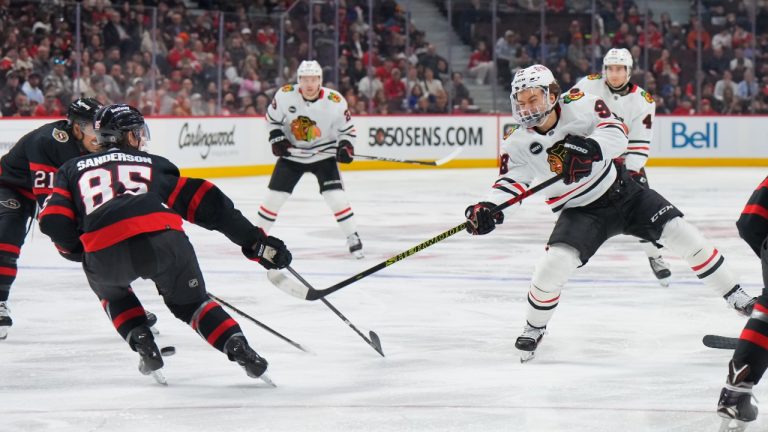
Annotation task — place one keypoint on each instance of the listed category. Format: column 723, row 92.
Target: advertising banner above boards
column 236, row 146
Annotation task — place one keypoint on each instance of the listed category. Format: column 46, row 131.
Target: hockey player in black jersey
column 750, row 360
column 577, row 136
column 122, row 209
column 26, row 179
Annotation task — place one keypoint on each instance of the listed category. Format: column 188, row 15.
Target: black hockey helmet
column 113, row 123
column 82, row 111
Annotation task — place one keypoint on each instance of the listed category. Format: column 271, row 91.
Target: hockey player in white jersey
column 577, row 135
column 637, row 109
column 310, row 129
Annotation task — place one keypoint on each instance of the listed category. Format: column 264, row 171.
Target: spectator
column 684, row 108
column 740, row 64
column 50, row 107
column 24, row 61
column 674, row 39
column 8, row 93
column 441, row 103
column 480, row 63
column 31, row 88
column 416, row 94
column 666, row 65
column 21, row 106
column 114, row 33
column 723, row 84
column 506, row 50
column 105, row 82
column 465, row 107
column 179, row 52
column 723, row 40
column 394, row 89
column 431, row 84
column 457, row 90
column 706, row 107
column 58, row 80
column 369, row 85
column 748, row 88
column 741, row 37
column 696, row 33
column 716, row 64
column 655, row 39
column 576, row 51
column 730, row 104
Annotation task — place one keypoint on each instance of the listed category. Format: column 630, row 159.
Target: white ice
column 622, row 353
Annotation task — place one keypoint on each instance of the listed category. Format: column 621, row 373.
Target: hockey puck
column 168, row 351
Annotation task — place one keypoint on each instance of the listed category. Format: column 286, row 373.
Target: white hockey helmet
column 309, row 68
column 618, row 57
column 532, row 77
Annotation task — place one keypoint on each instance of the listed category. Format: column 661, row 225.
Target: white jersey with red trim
column 314, row 126
column 636, row 108
column 528, row 156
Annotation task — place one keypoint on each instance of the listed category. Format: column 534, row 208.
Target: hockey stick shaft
column 375, row 345
column 386, row 159
column 316, row 294
column 257, row 322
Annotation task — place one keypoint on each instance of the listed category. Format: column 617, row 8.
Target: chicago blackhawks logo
column 305, row 129
column 287, row 88
column 555, row 157
column 594, row 77
column 647, row 96
column 574, row 95
column 333, row 97
column 510, row 130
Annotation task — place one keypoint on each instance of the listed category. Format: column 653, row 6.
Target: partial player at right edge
column 750, row 360
column 637, row 109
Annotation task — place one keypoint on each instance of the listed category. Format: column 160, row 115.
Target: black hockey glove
column 580, row 153
column 75, row 255
column 480, row 220
column 280, row 143
column 270, row 252
column 346, row 152
column 639, row 177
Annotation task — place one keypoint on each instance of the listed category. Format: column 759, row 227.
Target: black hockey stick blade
column 306, row 292
column 720, row 342
column 376, row 342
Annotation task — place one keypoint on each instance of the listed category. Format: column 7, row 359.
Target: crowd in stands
column 379, row 69
column 41, row 68
column 734, row 58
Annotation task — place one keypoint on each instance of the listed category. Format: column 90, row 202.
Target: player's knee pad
column 339, row 204
column 271, row 206
column 684, row 240
column 552, row 271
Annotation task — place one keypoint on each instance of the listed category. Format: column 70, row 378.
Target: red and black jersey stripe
column 753, row 222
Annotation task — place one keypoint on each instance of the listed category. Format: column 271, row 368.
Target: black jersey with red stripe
column 753, row 222
column 31, row 163
column 103, row 198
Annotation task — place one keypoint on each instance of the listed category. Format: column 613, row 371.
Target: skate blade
column 4, row 332
column 264, row 377
column 154, row 331
column 358, row 255
column 732, row 425
column 159, row 377
column 665, row 282
column 526, row 356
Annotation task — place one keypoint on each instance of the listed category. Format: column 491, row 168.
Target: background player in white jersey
column 310, row 129
column 637, row 109
column 579, row 137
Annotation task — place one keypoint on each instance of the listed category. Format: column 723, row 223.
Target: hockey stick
column 442, row 161
column 257, row 322
column 290, row 286
column 720, row 342
column 374, row 341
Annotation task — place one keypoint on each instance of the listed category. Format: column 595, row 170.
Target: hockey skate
column 238, row 350
column 529, row 341
column 735, row 404
column 740, row 301
column 660, row 270
column 355, row 246
column 5, row 320
column 142, row 341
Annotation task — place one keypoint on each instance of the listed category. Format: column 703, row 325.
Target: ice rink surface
column 622, row 353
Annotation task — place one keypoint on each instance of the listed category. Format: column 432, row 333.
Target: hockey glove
column 480, row 220
column 580, row 153
column 639, row 177
column 75, row 255
column 280, row 143
column 270, row 252
column 346, row 152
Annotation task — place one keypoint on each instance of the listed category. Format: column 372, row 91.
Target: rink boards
column 236, row 145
